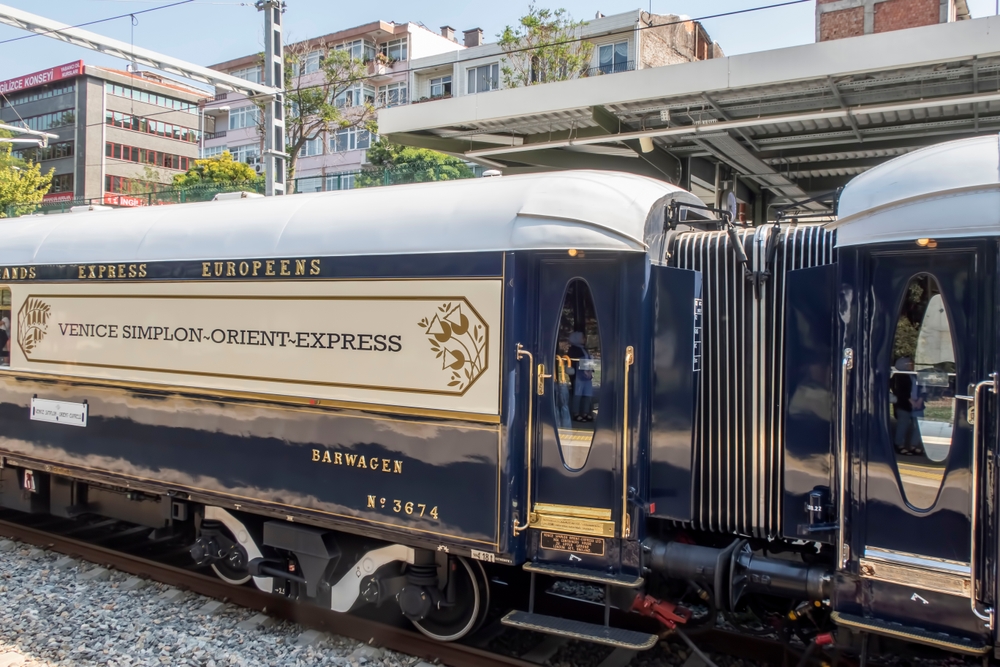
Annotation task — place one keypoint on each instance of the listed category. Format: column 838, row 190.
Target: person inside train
column 908, row 405
column 5, row 341
column 582, row 371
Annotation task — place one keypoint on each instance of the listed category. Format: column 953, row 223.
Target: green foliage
column 419, row 164
column 22, row 184
column 219, row 169
column 541, row 48
column 330, row 98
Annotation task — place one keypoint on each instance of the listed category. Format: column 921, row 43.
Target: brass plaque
column 941, row 582
column 565, row 524
column 577, row 544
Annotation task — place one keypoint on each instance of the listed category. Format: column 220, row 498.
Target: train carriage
column 405, row 395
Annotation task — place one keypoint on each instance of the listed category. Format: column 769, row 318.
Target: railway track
column 530, row 651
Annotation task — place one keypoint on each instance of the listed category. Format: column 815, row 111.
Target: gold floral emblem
column 458, row 337
column 32, row 324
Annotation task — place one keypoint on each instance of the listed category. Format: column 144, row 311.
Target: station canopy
column 774, row 126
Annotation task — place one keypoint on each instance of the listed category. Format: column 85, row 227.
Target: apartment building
column 119, row 133
column 622, row 42
column 324, row 161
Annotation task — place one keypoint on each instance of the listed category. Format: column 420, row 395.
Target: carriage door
column 921, row 346
column 578, row 403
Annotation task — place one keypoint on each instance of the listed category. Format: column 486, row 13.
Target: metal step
column 587, row 632
column 918, row 635
column 581, row 574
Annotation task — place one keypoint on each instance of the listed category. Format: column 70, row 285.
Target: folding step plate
column 580, row 574
column 587, row 632
column 912, row 634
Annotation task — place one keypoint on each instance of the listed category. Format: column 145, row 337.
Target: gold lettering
column 373, row 463
column 326, row 457
column 206, row 269
column 284, row 267
column 371, row 502
column 338, row 460
column 300, row 267
column 244, row 268
column 100, row 270
column 142, row 270
column 315, row 455
column 256, row 267
column 385, row 465
column 352, row 459
column 6, row 273
column 31, row 273
column 230, row 269
column 82, row 269
column 24, row 273
column 314, row 267
column 131, row 271
column 111, row 271
column 218, row 269
column 362, row 463
column 397, row 467
column 90, row 272
column 269, row 269
column 121, row 270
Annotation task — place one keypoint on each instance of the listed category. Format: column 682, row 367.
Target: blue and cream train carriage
column 401, row 396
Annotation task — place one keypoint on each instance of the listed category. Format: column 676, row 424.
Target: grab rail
column 845, row 368
column 977, row 412
column 521, row 353
column 626, row 519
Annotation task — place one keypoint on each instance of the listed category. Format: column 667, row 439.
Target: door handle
column 542, row 377
column 846, row 365
column 521, row 353
column 988, row 616
column 626, row 518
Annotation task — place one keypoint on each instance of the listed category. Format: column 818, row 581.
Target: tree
column 22, row 183
column 543, row 47
column 336, row 97
column 415, row 165
column 217, row 170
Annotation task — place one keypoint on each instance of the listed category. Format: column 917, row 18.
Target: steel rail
column 364, row 630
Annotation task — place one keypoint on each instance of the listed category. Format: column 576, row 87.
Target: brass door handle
column 542, row 377
column 626, row 517
column 529, row 455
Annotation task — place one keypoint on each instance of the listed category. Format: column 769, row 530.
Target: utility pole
column 274, row 113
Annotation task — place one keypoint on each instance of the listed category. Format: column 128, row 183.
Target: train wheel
column 233, row 568
column 472, row 602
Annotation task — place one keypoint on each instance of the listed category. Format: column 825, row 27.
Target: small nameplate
column 59, row 412
column 577, row 544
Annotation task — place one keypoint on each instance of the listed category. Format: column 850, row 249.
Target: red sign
column 57, row 197
column 67, row 71
column 123, row 200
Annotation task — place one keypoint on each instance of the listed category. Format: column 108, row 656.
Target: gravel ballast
column 58, row 611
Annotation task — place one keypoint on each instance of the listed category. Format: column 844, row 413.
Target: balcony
column 611, row 68
column 379, row 70
column 215, row 135
column 221, row 96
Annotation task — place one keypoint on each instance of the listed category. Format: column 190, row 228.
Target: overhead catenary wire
column 94, row 22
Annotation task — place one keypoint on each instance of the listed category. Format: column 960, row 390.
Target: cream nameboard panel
column 431, row 344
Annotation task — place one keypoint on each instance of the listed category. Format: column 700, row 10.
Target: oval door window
column 922, row 391
column 577, row 376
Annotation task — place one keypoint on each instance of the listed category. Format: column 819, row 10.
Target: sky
column 211, row 31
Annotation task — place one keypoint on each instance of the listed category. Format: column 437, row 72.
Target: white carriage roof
column 577, row 209
column 943, row 191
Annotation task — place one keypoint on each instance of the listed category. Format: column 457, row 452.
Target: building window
column 122, row 185
column 5, row 337
column 612, row 58
column 251, row 74
column 359, row 49
column 48, row 121
column 340, row 181
column 41, row 94
column 160, row 129
column 150, row 98
column 441, row 86
column 312, row 147
column 308, row 63
column 62, row 183
column 212, row 151
column 350, row 139
column 483, row 79
column 144, row 156
column 392, row 95
column 312, row 184
column 246, row 153
column 356, row 95
column 242, row 117
column 50, row 152
column 394, row 50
